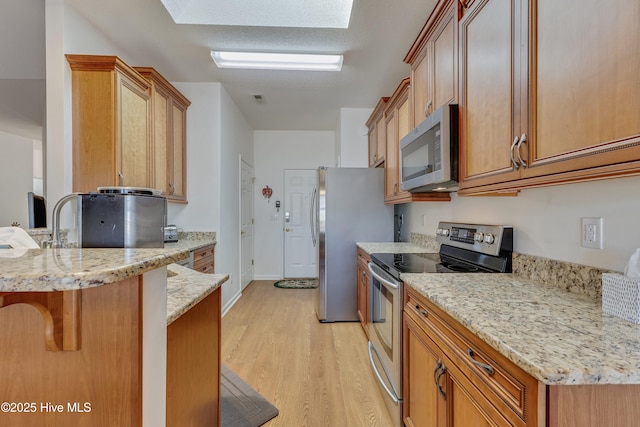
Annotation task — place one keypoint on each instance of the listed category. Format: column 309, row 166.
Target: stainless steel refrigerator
column 347, row 207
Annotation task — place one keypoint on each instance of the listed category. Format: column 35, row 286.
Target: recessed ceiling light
column 261, row 13
column 277, row 61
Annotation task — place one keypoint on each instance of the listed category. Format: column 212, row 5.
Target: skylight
column 262, row 13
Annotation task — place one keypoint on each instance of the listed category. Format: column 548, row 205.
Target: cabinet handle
column 427, row 108
column 121, row 178
column 487, row 368
column 438, row 372
column 514, row 164
column 395, row 188
column 522, row 140
column 421, row 311
column 172, row 188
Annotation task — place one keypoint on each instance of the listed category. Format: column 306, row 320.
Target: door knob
column 288, row 230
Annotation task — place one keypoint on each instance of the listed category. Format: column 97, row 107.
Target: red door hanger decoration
column 267, row 192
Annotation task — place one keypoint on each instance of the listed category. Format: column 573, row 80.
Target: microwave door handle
column 382, row 280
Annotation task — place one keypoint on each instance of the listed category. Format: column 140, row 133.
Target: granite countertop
column 59, row 269
column 43, row 270
column 392, row 247
column 187, row 287
column 558, row 337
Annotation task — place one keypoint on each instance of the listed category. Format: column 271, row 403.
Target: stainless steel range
column 464, row 248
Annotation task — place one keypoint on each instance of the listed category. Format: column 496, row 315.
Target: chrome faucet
column 56, row 241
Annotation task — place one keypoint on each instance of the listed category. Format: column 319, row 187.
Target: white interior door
column 246, row 223
column 300, row 256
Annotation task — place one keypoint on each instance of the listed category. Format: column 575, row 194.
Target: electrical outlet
column 591, row 233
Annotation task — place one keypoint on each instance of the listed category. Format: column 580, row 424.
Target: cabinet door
column 161, row 142
column 423, row 403
column 468, row 407
column 391, row 183
column 489, row 97
column 373, row 139
column 177, row 183
column 444, row 71
column 586, row 88
column 363, row 293
column 134, row 135
column 420, row 88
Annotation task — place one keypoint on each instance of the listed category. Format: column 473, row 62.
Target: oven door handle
column 392, row 394
column 381, row 279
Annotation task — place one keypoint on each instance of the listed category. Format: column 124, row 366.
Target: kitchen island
column 583, row 364
column 84, row 334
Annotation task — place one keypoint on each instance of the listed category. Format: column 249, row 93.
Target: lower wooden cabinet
column 363, row 289
column 204, row 259
column 454, row 379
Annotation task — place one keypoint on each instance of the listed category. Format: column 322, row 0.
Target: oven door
column 385, row 333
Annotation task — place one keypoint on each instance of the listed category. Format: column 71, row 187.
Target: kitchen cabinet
column 452, row 378
column 110, row 105
column 377, row 134
column 364, row 278
column 397, row 126
column 204, row 259
column 169, row 122
column 538, row 112
column 433, row 60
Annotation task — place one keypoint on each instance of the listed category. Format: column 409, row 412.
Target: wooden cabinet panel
column 423, row 404
column 433, row 60
column 481, row 384
column 169, row 116
column 204, row 259
column 104, row 372
column 111, row 126
column 193, row 365
column 364, row 278
column 574, row 95
column 377, row 134
column 489, row 118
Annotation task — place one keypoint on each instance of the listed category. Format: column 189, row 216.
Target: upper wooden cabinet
column 550, row 93
column 111, row 127
column 433, row 59
column 169, row 118
column 397, row 125
column 377, row 134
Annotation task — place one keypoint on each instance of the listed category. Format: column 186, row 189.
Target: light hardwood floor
column 315, row 374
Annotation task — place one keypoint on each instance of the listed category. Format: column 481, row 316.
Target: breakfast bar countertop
column 44, row 270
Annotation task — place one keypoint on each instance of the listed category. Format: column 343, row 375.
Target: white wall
column 237, row 141
column 546, row 221
column 352, row 143
column 16, row 176
column 275, row 151
column 202, row 213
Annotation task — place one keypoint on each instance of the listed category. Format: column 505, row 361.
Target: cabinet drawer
column 505, row 385
column 204, row 259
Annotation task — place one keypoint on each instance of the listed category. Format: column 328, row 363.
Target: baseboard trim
column 230, row 303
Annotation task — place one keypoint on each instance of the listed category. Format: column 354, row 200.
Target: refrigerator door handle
column 312, row 216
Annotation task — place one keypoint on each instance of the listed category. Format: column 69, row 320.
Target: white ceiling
column 374, row 45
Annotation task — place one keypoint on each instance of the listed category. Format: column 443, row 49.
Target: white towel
column 15, row 242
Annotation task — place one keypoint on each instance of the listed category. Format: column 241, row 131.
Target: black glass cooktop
column 395, row 264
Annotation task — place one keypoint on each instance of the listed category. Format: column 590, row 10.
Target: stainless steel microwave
column 429, row 153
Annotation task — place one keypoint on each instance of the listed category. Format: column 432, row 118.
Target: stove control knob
column 444, row 232
column 478, row 237
column 489, row 238
column 438, row 231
